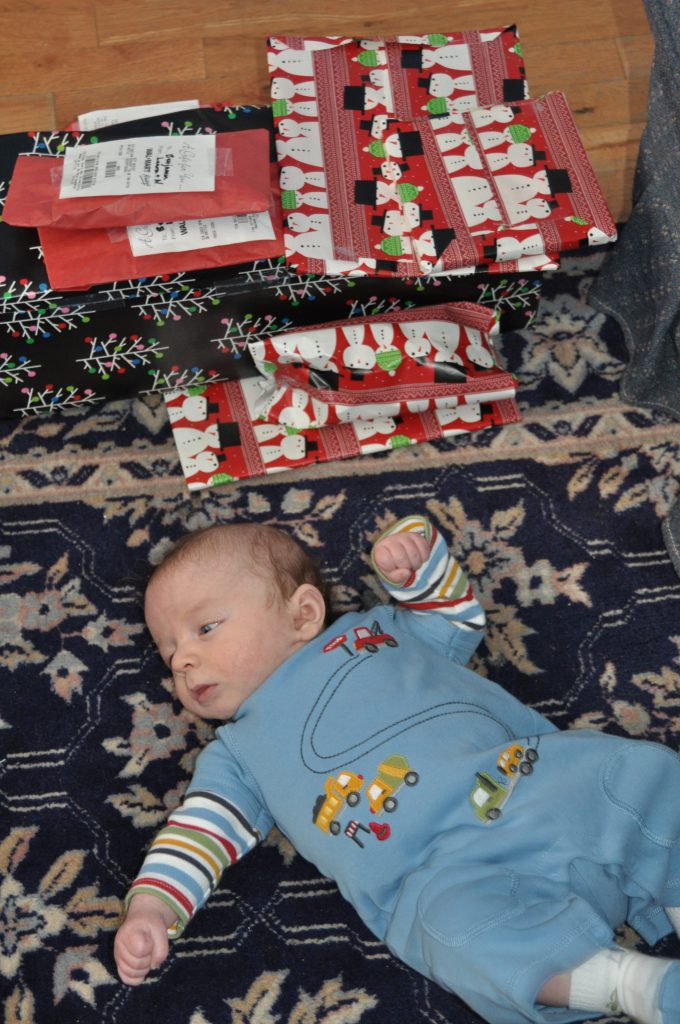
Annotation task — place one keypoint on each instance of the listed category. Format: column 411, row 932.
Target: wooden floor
column 59, row 58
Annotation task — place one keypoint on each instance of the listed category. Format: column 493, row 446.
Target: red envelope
column 242, row 185
column 76, row 260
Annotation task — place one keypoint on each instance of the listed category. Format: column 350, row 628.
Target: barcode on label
column 111, row 168
column 89, row 172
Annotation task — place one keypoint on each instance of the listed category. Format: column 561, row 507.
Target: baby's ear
column 309, row 610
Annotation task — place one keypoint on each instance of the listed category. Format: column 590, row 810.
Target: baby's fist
column 141, row 944
column 399, row 555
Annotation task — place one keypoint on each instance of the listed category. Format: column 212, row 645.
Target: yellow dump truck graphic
column 338, row 791
column 517, row 758
column 490, row 794
column 393, row 773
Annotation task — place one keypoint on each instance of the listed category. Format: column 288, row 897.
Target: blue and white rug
column 558, row 519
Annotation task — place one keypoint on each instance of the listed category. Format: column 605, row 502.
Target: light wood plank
column 64, row 23
column 243, row 62
column 607, row 103
column 27, row 113
column 537, row 20
column 117, row 65
column 595, row 60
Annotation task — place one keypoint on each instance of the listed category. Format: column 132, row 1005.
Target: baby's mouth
column 202, row 694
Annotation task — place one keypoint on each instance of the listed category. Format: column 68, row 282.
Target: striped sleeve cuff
column 440, row 585
column 186, row 859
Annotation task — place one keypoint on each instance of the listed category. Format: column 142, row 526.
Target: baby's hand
column 142, row 940
column 400, row 554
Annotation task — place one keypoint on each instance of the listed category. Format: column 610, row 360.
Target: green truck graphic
column 489, row 794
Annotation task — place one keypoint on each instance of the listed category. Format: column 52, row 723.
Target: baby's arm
column 412, row 559
column 184, row 864
column 142, row 941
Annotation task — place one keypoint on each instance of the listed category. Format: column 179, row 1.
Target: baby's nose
column 183, row 658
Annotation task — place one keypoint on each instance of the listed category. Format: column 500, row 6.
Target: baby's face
column 221, row 628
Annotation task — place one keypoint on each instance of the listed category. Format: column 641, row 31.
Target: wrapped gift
column 432, row 357
column 410, row 156
column 342, row 390
column 76, row 260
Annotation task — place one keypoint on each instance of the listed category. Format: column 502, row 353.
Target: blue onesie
column 487, row 849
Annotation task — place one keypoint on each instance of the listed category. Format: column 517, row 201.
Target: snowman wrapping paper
column 345, row 389
column 423, row 155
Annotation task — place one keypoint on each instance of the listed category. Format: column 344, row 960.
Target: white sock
column 674, row 917
column 619, row 981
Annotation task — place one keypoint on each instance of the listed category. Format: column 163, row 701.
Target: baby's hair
column 272, row 551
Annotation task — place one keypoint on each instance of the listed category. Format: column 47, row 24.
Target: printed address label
column 137, row 166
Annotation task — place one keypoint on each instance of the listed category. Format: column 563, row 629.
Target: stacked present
column 406, row 157
column 420, row 155
column 134, row 207
column 410, row 159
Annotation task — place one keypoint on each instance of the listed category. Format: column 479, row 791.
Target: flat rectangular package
column 336, row 391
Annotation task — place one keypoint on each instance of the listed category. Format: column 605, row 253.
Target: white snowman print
column 275, row 443
column 286, row 89
column 315, row 347
column 508, row 247
column 380, row 89
column 476, row 351
column 476, row 199
column 193, row 447
column 454, row 56
column 417, row 345
column 367, row 429
column 518, row 154
column 295, row 179
column 296, row 62
column 446, row 141
column 300, row 140
column 445, row 338
column 498, row 113
column 303, row 411
column 468, row 412
column 470, row 157
column 194, row 408
column 383, row 335
column 303, row 223
column 357, row 355
column 441, row 84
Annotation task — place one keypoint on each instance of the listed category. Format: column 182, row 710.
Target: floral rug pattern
column 558, row 520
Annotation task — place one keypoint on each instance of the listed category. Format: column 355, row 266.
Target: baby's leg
column 646, row 988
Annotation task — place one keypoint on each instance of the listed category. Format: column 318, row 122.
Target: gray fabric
column 639, row 284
